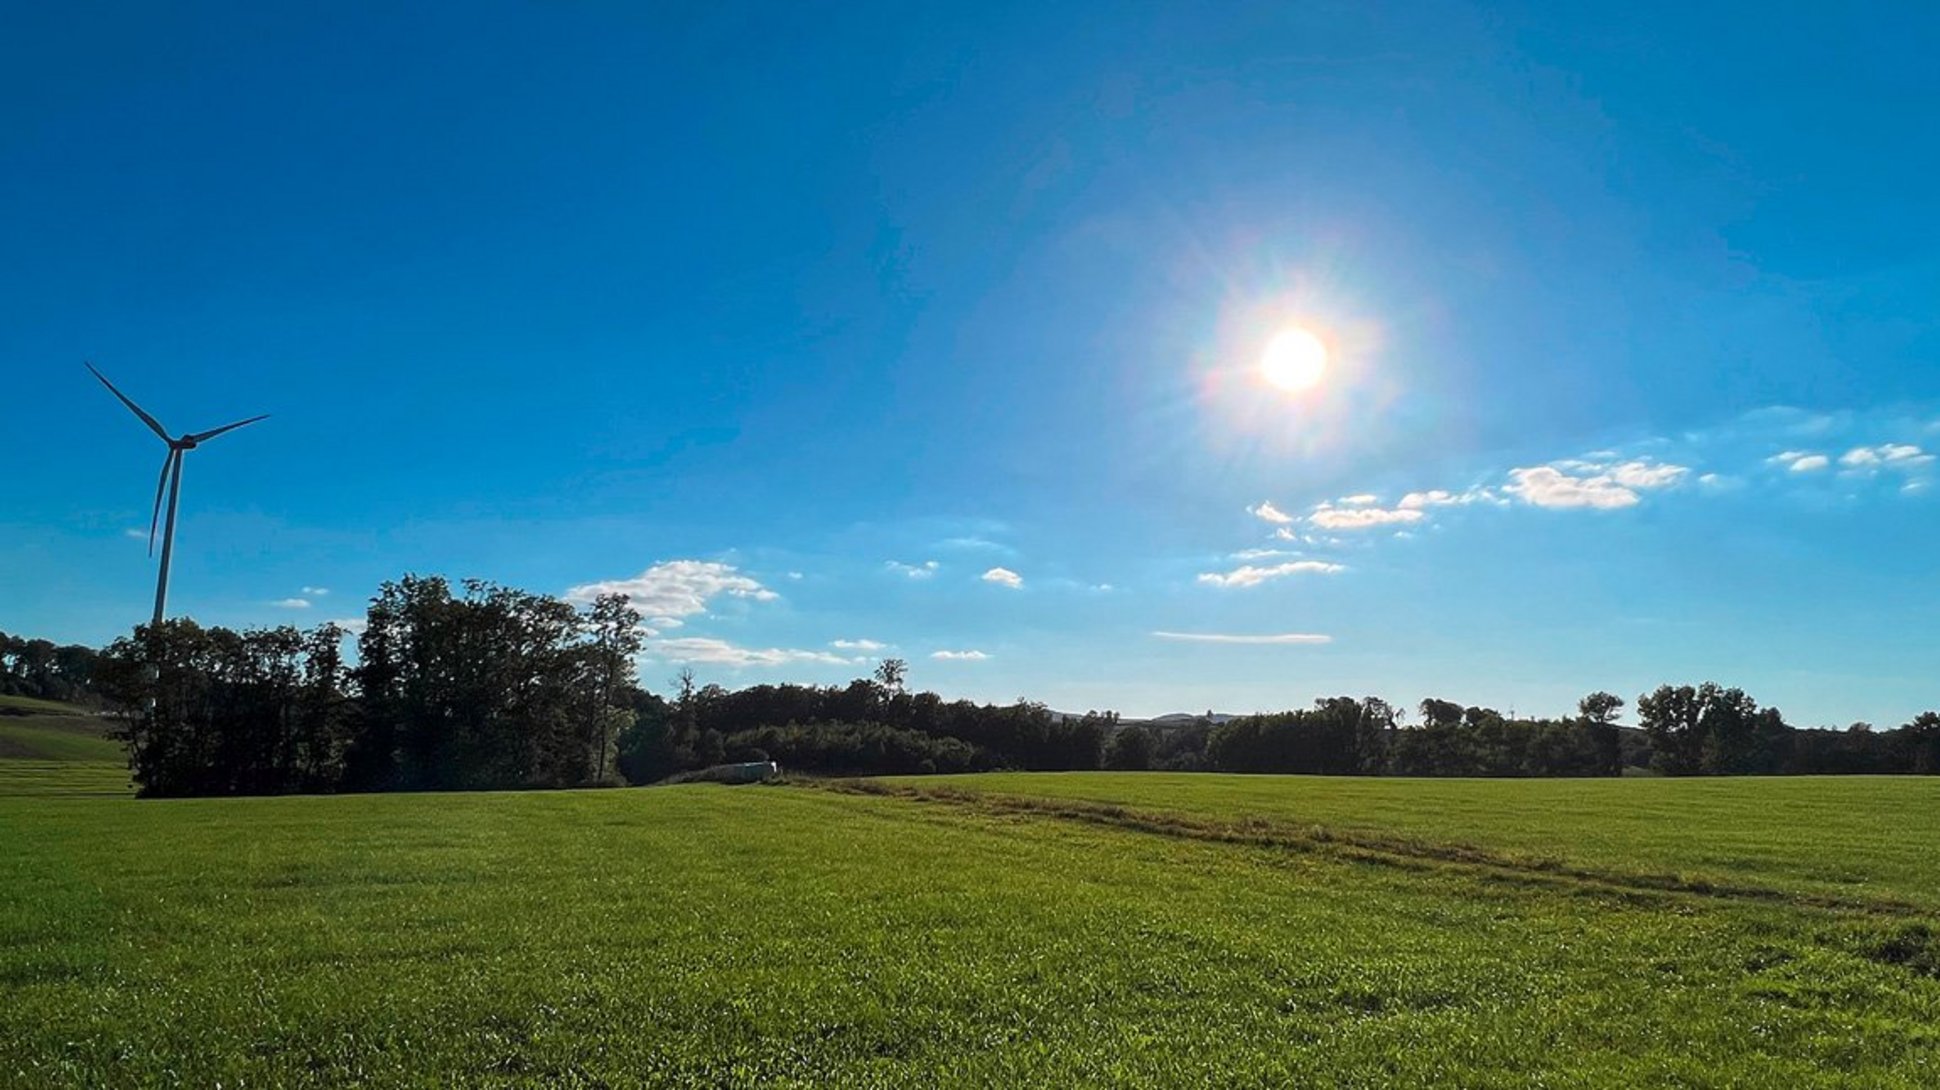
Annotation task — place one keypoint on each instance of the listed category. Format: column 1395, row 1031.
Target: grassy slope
column 1842, row 836
column 28, row 705
column 45, row 730
column 720, row 936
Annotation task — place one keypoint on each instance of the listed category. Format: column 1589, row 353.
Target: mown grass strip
column 64, row 779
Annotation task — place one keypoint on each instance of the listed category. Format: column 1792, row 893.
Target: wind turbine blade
column 205, row 436
column 160, row 483
column 152, row 423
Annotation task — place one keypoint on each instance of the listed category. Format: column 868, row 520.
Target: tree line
column 41, row 669
column 1687, row 730
column 486, row 687
column 479, row 686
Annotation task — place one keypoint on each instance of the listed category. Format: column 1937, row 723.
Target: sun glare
column 1294, row 360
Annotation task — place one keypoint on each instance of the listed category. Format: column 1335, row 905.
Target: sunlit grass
column 47, row 730
column 1834, row 835
column 20, row 777
column 740, row 936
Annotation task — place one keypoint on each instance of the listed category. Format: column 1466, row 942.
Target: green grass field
column 44, row 730
column 703, row 936
column 1869, row 838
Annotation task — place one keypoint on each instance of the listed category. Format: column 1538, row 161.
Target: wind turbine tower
column 170, row 480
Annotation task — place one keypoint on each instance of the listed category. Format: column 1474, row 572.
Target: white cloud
column 958, row 656
column 315, row 592
column 673, row 590
column 1415, row 501
column 794, row 575
column 136, row 533
column 291, row 603
column 1265, row 510
column 1900, row 456
column 1004, row 577
column 1588, row 484
column 1799, row 461
column 1365, row 499
column 974, row 544
column 1224, row 637
column 1249, row 575
column 1648, row 475
column 705, row 649
column 913, row 571
column 857, row 645
column 352, row 626
column 1328, row 517
column 1260, row 554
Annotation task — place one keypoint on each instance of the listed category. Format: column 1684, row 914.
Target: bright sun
column 1294, row 360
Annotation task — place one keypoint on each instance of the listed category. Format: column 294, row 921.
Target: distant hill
column 46, row 730
column 1160, row 722
column 1183, row 719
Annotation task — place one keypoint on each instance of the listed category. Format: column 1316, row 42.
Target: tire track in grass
column 1376, row 850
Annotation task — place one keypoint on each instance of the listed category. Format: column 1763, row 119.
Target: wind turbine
column 171, row 479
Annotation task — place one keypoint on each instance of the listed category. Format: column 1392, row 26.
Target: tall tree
column 1599, row 711
column 890, row 674
column 616, row 642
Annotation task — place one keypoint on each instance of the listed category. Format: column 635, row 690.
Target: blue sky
column 840, row 332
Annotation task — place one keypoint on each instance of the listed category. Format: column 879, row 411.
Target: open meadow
column 1866, row 839
column 838, row 934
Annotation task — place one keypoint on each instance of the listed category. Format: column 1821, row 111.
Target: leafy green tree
column 1672, row 718
column 1711, row 730
column 1130, row 750
column 484, row 689
column 210, row 711
column 1920, row 744
column 647, row 750
column 616, row 640
column 1599, row 711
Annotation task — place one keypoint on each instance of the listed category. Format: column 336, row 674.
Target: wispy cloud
column 857, row 645
column 315, row 592
column 912, row 571
column 1576, row 484
column 1251, row 575
column 1362, row 511
column 1436, row 497
column 1266, row 511
column 1228, row 637
column 713, row 652
column 1003, row 577
column 1329, row 517
column 1903, row 457
column 352, row 626
column 1799, row 461
column 1712, row 462
column 291, row 603
column 959, row 656
column 135, row 532
column 974, row 544
column 673, row 590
